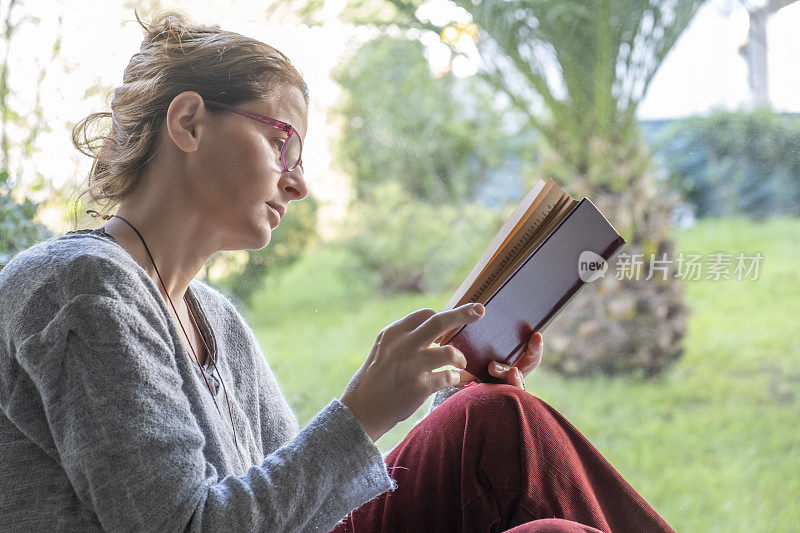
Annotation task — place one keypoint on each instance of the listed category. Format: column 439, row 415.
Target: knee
column 552, row 525
column 497, row 400
column 497, row 392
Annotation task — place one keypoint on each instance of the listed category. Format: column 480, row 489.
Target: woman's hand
column 398, row 375
column 515, row 374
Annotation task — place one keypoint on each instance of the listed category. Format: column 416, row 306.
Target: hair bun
column 170, row 26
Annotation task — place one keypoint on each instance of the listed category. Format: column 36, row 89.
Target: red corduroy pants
column 494, row 458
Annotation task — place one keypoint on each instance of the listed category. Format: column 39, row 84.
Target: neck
column 176, row 236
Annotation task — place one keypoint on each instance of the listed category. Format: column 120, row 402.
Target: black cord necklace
column 191, row 315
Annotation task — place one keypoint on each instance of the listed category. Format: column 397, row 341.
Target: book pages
column 513, row 260
column 509, row 227
column 530, row 223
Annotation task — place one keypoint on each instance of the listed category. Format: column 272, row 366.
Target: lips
column 278, row 209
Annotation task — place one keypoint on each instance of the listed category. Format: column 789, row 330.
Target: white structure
column 735, row 54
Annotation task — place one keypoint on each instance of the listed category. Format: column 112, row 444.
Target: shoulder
column 75, row 259
column 42, row 279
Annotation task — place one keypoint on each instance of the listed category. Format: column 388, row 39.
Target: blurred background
column 429, row 121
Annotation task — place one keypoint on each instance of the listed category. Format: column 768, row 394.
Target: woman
column 135, row 397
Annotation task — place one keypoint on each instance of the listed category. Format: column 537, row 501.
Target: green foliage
column 440, row 138
column 18, row 231
column 17, row 228
column 422, row 151
column 576, row 69
column 296, row 231
column 736, row 162
column 414, row 246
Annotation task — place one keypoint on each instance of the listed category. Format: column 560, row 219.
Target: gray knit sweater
column 107, row 422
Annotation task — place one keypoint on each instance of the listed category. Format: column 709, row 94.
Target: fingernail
column 477, row 309
column 501, row 367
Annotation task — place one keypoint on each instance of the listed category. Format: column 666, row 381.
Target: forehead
column 286, row 104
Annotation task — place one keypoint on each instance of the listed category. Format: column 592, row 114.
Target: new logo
column 591, row 266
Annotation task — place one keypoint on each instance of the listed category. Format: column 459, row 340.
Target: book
column 546, row 251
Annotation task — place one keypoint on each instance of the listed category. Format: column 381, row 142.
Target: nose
column 294, row 183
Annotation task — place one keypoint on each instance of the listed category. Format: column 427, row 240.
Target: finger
column 532, row 356
column 412, row 320
column 443, row 322
column 465, row 378
column 443, row 378
column 443, row 355
column 510, row 375
column 441, row 338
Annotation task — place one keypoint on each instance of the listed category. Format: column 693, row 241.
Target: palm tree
column 577, row 70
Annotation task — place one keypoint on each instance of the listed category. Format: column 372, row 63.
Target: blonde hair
column 174, row 57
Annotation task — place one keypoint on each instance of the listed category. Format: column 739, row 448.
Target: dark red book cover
column 539, row 288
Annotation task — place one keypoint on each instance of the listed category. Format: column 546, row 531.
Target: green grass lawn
column 714, row 445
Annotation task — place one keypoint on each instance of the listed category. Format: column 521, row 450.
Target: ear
column 184, row 120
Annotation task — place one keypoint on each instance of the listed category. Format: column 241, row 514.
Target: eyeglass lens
column 291, row 151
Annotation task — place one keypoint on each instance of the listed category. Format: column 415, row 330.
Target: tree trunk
column 625, row 323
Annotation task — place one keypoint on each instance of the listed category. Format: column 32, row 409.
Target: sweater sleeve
column 127, row 439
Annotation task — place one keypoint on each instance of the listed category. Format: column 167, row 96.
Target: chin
column 264, row 242
column 258, row 238
column 252, row 231
column 251, row 237
column 264, row 237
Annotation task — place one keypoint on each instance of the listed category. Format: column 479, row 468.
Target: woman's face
column 245, row 187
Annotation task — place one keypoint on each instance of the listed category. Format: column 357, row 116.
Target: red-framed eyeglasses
column 292, row 149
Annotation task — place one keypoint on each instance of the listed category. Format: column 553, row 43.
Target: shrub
column 412, row 246
column 735, row 162
column 17, row 228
